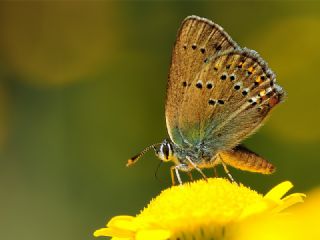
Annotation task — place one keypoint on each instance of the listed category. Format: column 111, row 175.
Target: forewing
column 198, row 41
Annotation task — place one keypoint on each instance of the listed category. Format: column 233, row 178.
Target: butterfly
column 217, row 95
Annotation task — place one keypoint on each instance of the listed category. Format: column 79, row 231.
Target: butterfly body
column 218, row 94
column 169, row 151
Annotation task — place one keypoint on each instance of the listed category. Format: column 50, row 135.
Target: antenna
column 135, row 158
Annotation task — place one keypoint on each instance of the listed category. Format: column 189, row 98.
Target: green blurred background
column 82, row 88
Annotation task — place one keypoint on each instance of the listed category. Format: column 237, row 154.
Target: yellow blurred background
column 82, row 88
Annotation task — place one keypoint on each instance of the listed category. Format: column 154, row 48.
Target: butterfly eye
column 165, row 151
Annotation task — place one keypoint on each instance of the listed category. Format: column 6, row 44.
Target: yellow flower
column 200, row 210
column 301, row 223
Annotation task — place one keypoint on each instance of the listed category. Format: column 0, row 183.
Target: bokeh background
column 82, row 88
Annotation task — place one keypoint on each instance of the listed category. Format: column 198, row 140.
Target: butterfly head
column 164, row 151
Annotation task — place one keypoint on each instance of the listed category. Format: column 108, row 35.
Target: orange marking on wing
column 273, row 101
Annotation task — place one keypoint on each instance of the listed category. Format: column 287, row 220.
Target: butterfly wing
column 238, row 91
column 218, row 93
column 198, row 41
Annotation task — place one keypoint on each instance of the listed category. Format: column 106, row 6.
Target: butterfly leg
column 227, row 171
column 215, row 172
column 190, row 175
column 174, row 170
column 196, row 167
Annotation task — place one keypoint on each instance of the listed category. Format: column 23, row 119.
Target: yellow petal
column 120, row 226
column 113, row 232
column 116, row 238
column 300, row 223
column 290, row 200
column 254, row 209
column 122, row 222
column 278, row 191
column 155, row 234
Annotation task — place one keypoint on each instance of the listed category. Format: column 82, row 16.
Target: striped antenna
column 135, row 158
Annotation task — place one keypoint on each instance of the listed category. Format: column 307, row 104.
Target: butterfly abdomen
column 244, row 159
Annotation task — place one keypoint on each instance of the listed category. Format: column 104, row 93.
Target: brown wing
column 238, row 91
column 198, row 41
